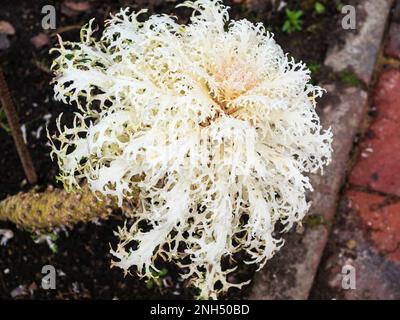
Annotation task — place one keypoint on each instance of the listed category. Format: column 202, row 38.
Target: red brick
column 387, row 95
column 7, row 28
column 382, row 220
column 378, row 165
column 393, row 45
column 365, row 235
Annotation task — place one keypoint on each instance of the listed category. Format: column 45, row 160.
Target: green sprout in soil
column 293, row 21
column 319, row 8
column 339, row 5
column 314, row 67
column 3, row 121
column 48, row 238
column 349, row 78
column 157, row 278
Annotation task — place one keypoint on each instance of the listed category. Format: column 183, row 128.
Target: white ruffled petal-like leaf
column 211, row 121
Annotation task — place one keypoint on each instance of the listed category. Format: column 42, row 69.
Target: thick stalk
column 54, row 208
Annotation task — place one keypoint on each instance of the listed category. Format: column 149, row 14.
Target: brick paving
column 381, row 218
column 378, row 164
column 366, row 232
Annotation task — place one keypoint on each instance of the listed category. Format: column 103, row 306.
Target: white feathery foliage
column 211, row 121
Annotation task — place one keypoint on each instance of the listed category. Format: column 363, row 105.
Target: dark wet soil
column 82, row 258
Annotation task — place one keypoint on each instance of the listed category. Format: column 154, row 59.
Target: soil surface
column 82, row 257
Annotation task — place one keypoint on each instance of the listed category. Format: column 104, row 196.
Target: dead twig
column 65, row 29
column 12, row 118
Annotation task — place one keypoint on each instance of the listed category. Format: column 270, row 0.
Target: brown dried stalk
column 12, row 118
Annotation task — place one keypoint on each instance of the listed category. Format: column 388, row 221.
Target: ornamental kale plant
column 210, row 122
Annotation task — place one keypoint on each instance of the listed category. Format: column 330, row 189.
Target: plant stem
column 12, row 119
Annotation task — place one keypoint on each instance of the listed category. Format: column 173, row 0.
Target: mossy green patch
column 313, row 221
column 349, row 78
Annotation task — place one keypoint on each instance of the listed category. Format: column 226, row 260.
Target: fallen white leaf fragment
column 6, row 235
column 19, row 291
column 23, row 130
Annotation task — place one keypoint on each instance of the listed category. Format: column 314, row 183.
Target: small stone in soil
column 73, row 8
column 40, row 40
column 4, row 42
column 19, row 291
column 7, row 28
column 5, row 236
